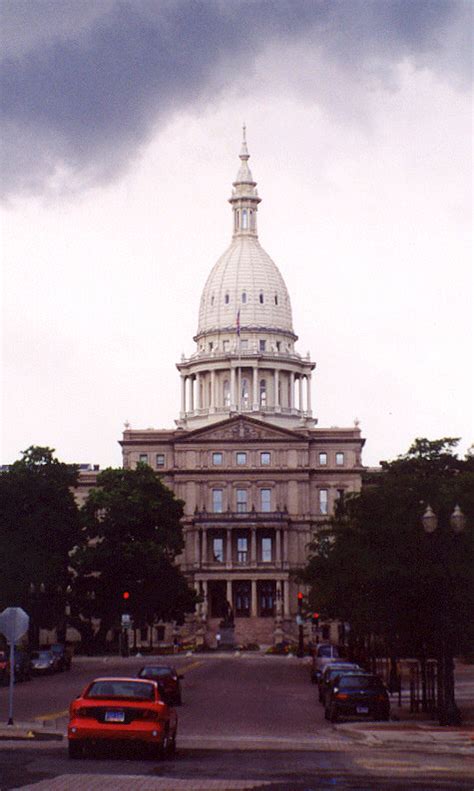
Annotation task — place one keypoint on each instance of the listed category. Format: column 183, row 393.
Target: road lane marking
column 55, row 715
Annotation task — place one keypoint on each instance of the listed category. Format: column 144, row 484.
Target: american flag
column 238, row 322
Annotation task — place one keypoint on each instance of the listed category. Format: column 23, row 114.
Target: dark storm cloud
column 84, row 83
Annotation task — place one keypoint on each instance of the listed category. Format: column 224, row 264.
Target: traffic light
column 315, row 618
column 300, row 600
column 125, row 595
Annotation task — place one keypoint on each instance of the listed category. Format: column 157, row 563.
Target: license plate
column 114, row 716
column 362, row 709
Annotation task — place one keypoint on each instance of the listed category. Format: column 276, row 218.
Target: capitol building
column 255, row 471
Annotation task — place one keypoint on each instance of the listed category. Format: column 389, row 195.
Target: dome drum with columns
column 245, row 359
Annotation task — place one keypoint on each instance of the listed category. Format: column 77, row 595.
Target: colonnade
column 194, row 399
column 282, row 587
column 201, row 546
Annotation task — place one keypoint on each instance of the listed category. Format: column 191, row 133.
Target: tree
column 39, row 526
column 374, row 566
column 131, row 538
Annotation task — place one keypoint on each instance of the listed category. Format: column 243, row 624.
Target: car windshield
column 41, row 655
column 337, row 671
column 112, row 688
column 327, row 650
column 156, row 671
column 57, row 649
column 360, row 682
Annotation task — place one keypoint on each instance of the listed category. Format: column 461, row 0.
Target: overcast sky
column 121, row 127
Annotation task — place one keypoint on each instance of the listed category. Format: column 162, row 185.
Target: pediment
column 240, row 428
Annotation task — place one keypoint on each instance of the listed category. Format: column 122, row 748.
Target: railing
column 241, row 517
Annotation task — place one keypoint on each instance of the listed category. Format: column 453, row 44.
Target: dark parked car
column 360, row 695
column 43, row 662
column 330, row 674
column 4, row 667
column 168, row 681
column 63, row 656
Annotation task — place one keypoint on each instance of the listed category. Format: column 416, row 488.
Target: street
column 247, row 721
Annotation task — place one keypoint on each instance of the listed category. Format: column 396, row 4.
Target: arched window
column 227, row 299
column 226, row 392
column 245, row 220
column 245, row 392
column 212, row 299
column 244, row 297
column 263, row 392
column 236, row 221
column 276, row 299
column 261, row 297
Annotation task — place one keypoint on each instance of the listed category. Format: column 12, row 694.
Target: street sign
column 126, row 621
column 299, row 620
column 14, row 623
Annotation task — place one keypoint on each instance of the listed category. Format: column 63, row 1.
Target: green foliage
column 374, row 566
column 39, row 526
column 131, row 537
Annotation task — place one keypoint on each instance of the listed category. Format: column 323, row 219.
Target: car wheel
column 333, row 715
column 75, row 749
column 172, row 744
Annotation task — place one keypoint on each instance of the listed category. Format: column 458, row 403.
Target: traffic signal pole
column 300, row 651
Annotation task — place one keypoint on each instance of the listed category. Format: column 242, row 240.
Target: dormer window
column 227, row 299
column 260, row 297
column 244, row 297
column 276, row 299
column 212, row 300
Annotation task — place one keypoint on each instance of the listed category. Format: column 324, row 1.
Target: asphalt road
column 245, row 720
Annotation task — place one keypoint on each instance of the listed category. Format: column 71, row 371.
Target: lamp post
column 448, row 712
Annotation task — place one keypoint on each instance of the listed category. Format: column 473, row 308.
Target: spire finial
column 244, row 152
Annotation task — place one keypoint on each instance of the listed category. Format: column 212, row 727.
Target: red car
column 168, row 681
column 122, row 710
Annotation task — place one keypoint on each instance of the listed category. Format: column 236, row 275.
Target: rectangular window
column 242, row 550
column 267, row 550
column 218, row 550
column 241, row 501
column 323, row 459
column 143, row 634
column 340, row 496
column 217, row 459
column 266, row 500
column 211, row 346
column 160, row 633
column 264, row 458
column 244, row 345
column 262, row 345
column 143, row 458
column 226, row 346
column 339, row 459
column 160, row 459
column 241, row 458
column 217, row 501
column 323, row 501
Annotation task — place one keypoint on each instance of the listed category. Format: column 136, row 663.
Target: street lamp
column 448, row 712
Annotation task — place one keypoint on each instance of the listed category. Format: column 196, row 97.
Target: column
column 285, row 548
column 278, row 546
column 183, row 394
column 191, row 393
column 213, row 390
column 286, row 599
column 233, row 400
column 228, row 592
column 292, row 390
column 300, row 392
column 275, row 385
column 255, row 387
column 205, row 603
column 198, row 391
column 253, row 546
column 196, row 548
column 308, row 393
column 253, row 601
column 197, row 588
column 228, row 551
column 204, row 545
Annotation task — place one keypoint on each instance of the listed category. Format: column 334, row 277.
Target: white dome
column 245, row 279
